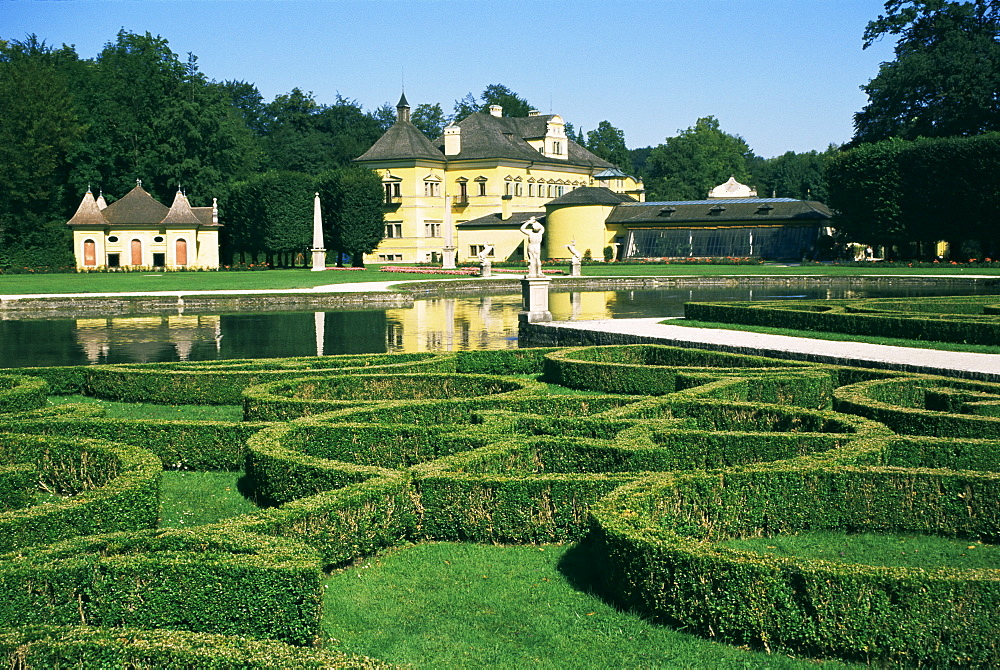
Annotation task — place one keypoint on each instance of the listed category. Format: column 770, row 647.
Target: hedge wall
column 222, row 382
column 233, row 584
column 963, row 320
column 44, row 647
column 658, row 542
column 101, row 487
column 20, row 394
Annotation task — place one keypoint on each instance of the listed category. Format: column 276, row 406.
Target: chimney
column 504, row 207
column 496, row 110
column 452, row 140
column 534, row 112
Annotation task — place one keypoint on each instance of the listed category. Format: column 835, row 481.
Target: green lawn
column 445, row 605
column 190, row 499
column 304, row 278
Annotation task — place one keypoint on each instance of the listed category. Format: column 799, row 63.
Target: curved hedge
column 967, row 319
column 652, row 369
column 305, row 396
column 21, row 394
column 98, row 487
column 233, row 584
column 659, row 453
column 222, row 382
column 658, row 539
column 924, row 405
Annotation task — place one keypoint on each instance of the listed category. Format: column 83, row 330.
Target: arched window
column 136, row 252
column 181, row 255
column 89, row 253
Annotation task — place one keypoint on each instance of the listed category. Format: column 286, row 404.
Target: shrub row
column 43, row 647
column 97, row 486
column 924, row 405
column 210, row 582
column 20, row 394
column 657, row 370
column 658, row 544
column 861, row 318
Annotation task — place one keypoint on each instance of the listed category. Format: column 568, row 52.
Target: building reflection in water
column 143, row 339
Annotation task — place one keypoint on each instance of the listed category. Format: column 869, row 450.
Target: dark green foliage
column 74, row 646
column 21, row 394
column 964, row 319
column 494, row 94
column 100, row 487
column 659, row 540
column 700, row 158
column 608, row 142
column 353, row 217
column 946, row 75
column 453, row 450
column 231, row 584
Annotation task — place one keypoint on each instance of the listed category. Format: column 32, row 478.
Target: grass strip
column 189, row 499
column 890, row 550
column 837, row 337
column 464, row 605
column 128, row 410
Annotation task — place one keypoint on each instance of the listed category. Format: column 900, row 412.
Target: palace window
column 482, row 185
column 517, row 188
column 393, row 230
column 432, row 229
column 476, row 249
column 463, row 192
column 388, row 258
column 557, row 148
column 391, row 190
column 432, row 189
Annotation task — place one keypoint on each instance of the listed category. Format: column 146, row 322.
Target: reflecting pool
column 431, row 324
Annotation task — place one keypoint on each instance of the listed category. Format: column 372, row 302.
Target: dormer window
column 667, row 211
column 557, row 148
column 765, row 209
column 717, row 210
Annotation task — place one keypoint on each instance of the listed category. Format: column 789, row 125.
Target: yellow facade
column 478, row 169
column 582, row 225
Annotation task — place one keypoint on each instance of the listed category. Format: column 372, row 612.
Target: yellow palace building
column 477, row 183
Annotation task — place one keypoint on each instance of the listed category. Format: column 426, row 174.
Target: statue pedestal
column 486, row 269
column 448, row 258
column 535, row 299
column 319, row 259
column 574, row 268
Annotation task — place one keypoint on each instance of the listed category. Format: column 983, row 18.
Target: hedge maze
column 652, row 457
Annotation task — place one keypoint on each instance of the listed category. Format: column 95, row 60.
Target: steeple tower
column 403, row 109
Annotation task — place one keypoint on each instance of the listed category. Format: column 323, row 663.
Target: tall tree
column 429, row 119
column 608, row 142
column 352, row 199
column 494, row 94
column 699, row 158
column 945, row 80
column 39, row 132
column 793, row 175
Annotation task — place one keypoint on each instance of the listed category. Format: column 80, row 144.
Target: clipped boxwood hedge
column 102, row 487
column 658, row 540
column 38, row 647
column 970, row 319
column 209, row 582
column 222, row 382
column 20, row 394
column 656, row 370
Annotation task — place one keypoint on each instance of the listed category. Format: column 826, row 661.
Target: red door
column 89, row 253
column 182, row 252
column 136, row 252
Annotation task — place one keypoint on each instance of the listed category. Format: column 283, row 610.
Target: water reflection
column 433, row 324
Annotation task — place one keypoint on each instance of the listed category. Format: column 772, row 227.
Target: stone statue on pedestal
column 533, row 246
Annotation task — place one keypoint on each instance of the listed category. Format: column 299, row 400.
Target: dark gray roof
column 180, row 212
column 136, row 206
column 88, row 213
column 485, row 136
column 204, row 215
column 591, row 195
column 721, row 211
column 494, row 221
column 402, row 140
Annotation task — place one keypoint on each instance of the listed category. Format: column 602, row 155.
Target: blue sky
column 783, row 74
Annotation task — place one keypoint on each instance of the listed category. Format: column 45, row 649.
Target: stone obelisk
column 318, row 251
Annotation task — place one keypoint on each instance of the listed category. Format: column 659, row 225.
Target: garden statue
column 533, row 246
column 575, row 260
column 485, row 264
